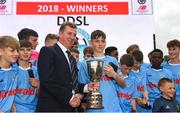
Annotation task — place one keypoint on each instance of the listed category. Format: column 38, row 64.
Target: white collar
column 24, row 68
column 122, row 75
column 156, row 69
column 64, row 49
column 100, row 57
column 173, row 64
column 135, row 71
column 6, row 69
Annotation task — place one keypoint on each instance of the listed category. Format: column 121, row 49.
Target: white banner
column 125, row 22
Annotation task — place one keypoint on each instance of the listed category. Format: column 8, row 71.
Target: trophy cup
column 95, row 69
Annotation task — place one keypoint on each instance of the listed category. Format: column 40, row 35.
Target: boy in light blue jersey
column 28, row 83
column 174, row 64
column 139, row 75
column 127, row 94
column 31, row 36
column 135, row 47
column 154, row 74
column 8, row 72
column 110, row 100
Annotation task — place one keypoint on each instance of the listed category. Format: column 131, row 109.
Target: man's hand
column 76, row 100
column 78, row 95
column 93, row 86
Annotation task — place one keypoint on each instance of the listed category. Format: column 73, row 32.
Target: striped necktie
column 74, row 70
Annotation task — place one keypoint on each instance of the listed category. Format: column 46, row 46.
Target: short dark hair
column 173, row 43
column 98, row 33
column 137, row 55
column 24, row 33
column 75, row 50
column 88, row 49
column 131, row 47
column 127, row 60
column 109, row 50
column 24, row 43
column 70, row 24
column 164, row 80
column 156, row 50
column 51, row 36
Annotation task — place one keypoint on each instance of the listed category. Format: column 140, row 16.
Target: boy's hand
column 144, row 102
column 13, row 109
column 146, row 97
column 110, row 71
column 34, row 82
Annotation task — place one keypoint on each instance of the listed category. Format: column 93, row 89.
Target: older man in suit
column 56, row 81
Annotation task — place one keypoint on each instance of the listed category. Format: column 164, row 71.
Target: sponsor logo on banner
column 142, row 7
column 5, row 7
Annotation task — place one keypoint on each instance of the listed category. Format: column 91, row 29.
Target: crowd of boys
column 129, row 86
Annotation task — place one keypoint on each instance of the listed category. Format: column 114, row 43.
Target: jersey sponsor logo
column 152, row 85
column 25, row 91
column 124, row 95
column 4, row 94
column 105, row 78
column 177, row 81
column 140, row 88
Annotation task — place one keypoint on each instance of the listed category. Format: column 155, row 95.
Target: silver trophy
column 95, row 69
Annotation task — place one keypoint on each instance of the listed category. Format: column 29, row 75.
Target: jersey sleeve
column 135, row 93
column 83, row 76
column 144, row 80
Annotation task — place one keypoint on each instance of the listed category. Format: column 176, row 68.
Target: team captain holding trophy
column 99, row 66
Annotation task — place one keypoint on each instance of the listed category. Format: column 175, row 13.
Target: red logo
column 2, row 7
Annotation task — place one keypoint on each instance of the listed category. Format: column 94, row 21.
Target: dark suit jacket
column 55, row 81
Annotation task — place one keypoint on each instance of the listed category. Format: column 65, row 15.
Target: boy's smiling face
column 137, row 65
column 156, row 59
column 25, row 53
column 9, row 55
column 174, row 52
column 168, row 90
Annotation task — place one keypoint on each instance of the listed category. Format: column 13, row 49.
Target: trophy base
column 94, row 107
column 94, row 100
